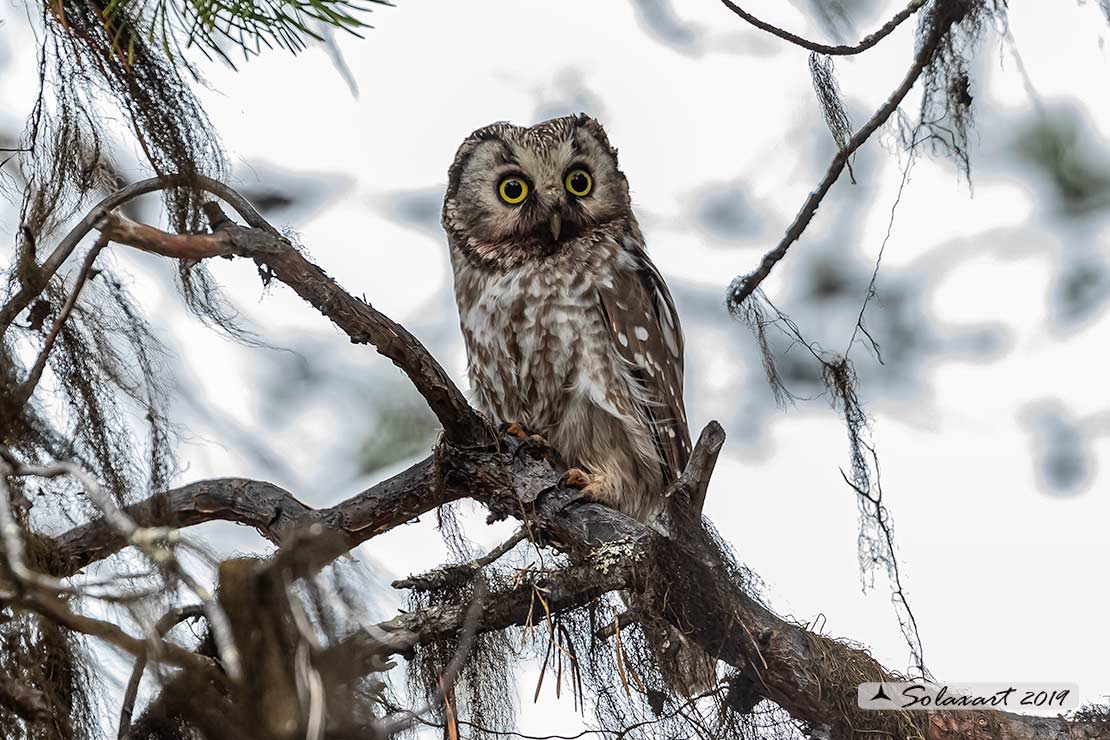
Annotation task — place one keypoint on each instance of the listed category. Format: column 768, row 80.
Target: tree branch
column 947, row 14
column 157, row 544
column 357, row 318
column 699, row 469
column 273, row 511
column 568, row 588
column 119, row 228
column 51, row 607
column 23, row 393
column 804, row 673
column 459, row 573
column 808, row 675
column 35, row 284
column 835, row 50
column 165, row 624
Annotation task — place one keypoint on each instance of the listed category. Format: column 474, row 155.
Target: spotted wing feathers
column 647, row 335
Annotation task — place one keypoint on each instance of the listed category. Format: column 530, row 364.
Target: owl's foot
column 590, row 487
column 590, row 484
column 533, row 444
column 576, row 478
column 515, row 430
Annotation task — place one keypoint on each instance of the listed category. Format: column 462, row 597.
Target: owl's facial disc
column 516, row 193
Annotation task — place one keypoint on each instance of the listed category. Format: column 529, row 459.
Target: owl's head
column 516, row 193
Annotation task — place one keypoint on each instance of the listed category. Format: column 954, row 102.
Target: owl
column 570, row 330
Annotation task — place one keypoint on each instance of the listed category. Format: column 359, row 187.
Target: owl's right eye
column 513, row 190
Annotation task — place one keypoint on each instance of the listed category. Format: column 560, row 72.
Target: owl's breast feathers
column 584, row 347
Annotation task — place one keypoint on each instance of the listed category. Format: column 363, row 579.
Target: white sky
column 1003, row 578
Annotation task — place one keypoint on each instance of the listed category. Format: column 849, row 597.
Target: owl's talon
column 589, row 488
column 577, row 478
column 537, row 447
column 533, row 444
column 515, row 430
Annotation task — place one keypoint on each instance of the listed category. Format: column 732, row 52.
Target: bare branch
column 12, row 536
column 942, row 21
column 164, row 625
column 33, row 287
column 568, row 588
column 273, row 511
column 28, row 387
column 864, row 44
column 695, row 478
column 121, row 229
column 51, row 607
column 468, row 632
column 274, row 254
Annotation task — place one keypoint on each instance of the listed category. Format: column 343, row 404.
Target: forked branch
column 947, row 14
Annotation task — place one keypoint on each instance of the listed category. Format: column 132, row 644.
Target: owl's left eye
column 578, row 182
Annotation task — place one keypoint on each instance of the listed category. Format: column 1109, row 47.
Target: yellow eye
column 579, row 183
column 513, row 190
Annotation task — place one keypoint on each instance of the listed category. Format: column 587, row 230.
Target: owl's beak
column 556, row 225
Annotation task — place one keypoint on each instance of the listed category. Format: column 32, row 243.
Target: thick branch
column 805, row 673
column 799, row 670
column 357, row 318
column 273, row 511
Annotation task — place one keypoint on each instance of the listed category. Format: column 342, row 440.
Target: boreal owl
column 570, row 330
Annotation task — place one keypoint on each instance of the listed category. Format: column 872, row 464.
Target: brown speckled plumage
column 575, row 337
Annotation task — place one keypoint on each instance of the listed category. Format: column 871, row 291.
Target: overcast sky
column 993, row 432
